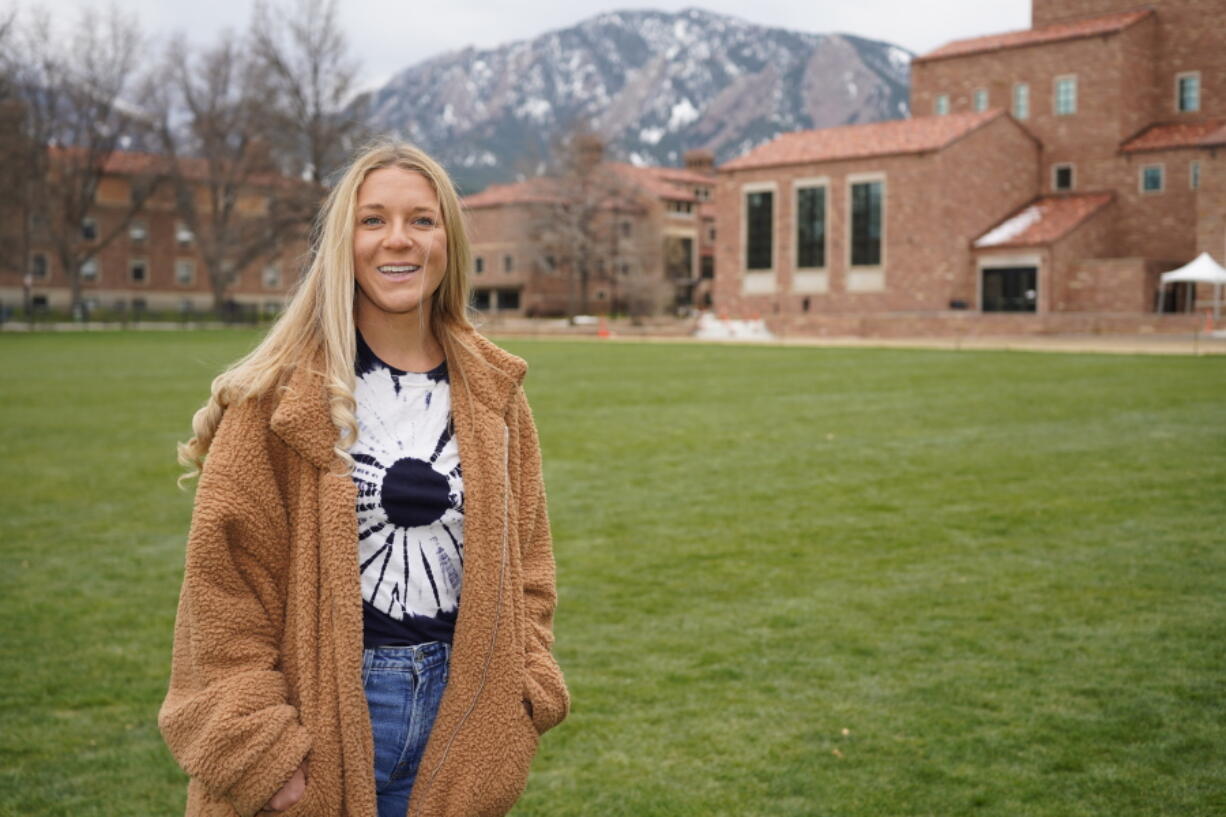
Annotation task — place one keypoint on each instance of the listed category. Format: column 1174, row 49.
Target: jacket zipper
column 502, row 570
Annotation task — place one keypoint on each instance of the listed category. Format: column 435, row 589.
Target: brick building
column 153, row 264
column 648, row 245
column 1055, row 171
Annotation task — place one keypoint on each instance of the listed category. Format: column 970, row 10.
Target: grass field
column 855, row 583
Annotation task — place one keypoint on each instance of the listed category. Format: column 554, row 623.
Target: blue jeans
column 403, row 688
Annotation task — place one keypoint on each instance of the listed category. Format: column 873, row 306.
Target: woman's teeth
column 392, row 269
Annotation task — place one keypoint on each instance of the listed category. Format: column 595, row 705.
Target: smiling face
column 399, row 245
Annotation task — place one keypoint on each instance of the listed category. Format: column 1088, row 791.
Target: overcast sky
column 388, row 35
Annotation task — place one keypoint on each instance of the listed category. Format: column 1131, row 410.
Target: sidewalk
column 1098, row 344
column 1143, row 344
column 678, row 332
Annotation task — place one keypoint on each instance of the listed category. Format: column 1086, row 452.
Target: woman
column 366, row 614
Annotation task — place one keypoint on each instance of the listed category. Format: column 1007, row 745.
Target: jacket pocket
column 507, row 782
column 305, row 807
column 545, row 694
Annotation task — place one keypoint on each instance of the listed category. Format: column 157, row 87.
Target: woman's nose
column 397, row 238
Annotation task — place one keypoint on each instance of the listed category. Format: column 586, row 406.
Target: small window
column 481, row 299
column 271, row 276
column 1187, row 92
column 89, row 270
column 759, row 221
column 39, row 269
column 708, row 267
column 624, row 269
column 139, row 189
column 478, row 265
column 1062, row 177
column 185, row 272
column 183, row 235
column 941, row 105
column 1065, row 102
column 138, row 231
column 138, row 271
column 508, row 263
column 551, row 263
column 626, row 227
column 980, row 99
column 711, row 234
column 1151, row 179
column 1021, row 101
column 89, row 229
column 508, row 299
column 1194, row 175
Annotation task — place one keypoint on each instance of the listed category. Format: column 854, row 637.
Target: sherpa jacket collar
column 478, row 369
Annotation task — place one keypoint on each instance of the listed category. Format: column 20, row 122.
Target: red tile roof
column 1167, row 135
column 1072, row 30
column 194, row 168
column 1218, row 137
column 857, row 141
column 679, row 175
column 531, row 191
column 129, row 163
column 1043, row 221
column 673, row 184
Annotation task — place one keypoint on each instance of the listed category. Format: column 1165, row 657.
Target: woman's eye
column 424, row 221
column 371, row 221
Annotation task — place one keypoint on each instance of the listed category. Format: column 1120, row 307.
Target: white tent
column 1202, row 270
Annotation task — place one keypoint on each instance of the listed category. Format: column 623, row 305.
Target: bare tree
column 14, row 164
column 214, row 124
column 301, row 47
column 581, row 230
column 69, row 95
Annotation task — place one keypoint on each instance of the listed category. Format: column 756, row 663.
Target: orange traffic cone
column 603, row 330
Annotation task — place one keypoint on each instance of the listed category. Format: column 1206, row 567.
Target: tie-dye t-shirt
column 410, row 502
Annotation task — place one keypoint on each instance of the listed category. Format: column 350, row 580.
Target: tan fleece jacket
column 267, row 664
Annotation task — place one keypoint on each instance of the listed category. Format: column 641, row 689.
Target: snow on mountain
column 654, row 83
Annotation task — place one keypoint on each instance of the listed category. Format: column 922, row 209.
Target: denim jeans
column 403, row 688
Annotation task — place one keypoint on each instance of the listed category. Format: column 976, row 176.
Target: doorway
column 1010, row 289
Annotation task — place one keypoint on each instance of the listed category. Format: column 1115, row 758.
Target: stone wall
column 159, row 251
column 935, row 204
column 1189, row 38
column 974, row 324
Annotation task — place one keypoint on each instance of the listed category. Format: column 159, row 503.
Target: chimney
column 700, row 161
column 588, row 151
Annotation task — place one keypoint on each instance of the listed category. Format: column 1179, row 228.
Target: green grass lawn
column 792, row 581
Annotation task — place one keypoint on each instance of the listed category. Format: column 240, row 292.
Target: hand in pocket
column 291, row 792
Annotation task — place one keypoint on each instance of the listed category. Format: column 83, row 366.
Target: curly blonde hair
column 319, row 315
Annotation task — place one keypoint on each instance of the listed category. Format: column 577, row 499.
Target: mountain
column 653, row 83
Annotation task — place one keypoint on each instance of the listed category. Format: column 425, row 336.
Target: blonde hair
column 319, row 315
